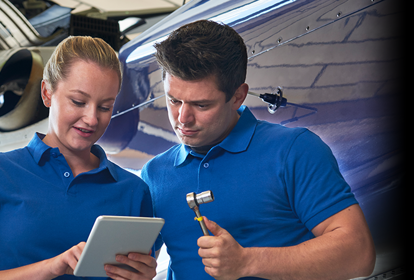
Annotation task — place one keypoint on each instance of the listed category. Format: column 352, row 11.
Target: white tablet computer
column 112, row 235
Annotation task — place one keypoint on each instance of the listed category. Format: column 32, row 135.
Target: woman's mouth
column 83, row 131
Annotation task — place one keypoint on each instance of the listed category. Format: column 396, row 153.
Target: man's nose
column 185, row 114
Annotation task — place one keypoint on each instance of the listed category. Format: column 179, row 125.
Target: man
column 282, row 210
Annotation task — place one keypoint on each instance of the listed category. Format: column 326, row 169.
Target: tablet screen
column 112, row 235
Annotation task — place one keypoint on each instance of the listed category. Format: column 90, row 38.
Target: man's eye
column 173, row 101
column 203, row 106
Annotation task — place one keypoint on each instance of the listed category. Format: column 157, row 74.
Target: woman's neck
column 78, row 161
column 82, row 164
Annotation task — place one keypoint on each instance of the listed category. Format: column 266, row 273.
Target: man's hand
column 144, row 264
column 222, row 255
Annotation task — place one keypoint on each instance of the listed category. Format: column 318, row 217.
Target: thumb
column 214, row 228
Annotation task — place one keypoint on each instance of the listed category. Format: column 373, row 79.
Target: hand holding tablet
column 114, row 235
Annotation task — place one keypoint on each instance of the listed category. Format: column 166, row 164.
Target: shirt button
column 66, row 174
column 206, row 165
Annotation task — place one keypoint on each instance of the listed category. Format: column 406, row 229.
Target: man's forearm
column 306, row 261
column 337, row 254
column 342, row 249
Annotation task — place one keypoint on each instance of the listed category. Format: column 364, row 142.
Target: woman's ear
column 46, row 93
column 240, row 95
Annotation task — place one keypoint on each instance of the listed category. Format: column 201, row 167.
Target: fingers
column 212, row 241
column 66, row 262
column 210, row 250
column 78, row 249
column 212, row 247
column 221, row 254
column 214, row 228
column 72, row 257
column 144, row 265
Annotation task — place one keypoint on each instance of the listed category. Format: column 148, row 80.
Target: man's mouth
column 187, row 132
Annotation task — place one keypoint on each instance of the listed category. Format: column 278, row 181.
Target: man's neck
column 202, row 150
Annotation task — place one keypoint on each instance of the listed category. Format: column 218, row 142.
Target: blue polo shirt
column 44, row 210
column 272, row 186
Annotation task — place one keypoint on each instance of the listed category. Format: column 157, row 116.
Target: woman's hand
column 65, row 263
column 48, row 269
column 145, row 266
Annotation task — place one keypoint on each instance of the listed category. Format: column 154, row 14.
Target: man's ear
column 240, row 95
column 46, row 93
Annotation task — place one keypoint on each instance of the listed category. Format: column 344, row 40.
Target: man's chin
column 188, row 141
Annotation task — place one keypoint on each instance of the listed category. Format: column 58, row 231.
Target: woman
column 53, row 189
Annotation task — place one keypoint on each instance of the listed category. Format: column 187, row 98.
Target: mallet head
column 194, row 200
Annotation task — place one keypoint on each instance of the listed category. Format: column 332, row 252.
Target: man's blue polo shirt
column 272, row 185
column 44, row 210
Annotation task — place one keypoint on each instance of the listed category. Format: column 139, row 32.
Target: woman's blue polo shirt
column 44, row 210
column 272, row 185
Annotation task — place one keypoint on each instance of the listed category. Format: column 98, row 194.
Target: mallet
column 194, row 201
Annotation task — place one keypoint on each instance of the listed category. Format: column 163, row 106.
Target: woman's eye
column 104, row 109
column 77, row 103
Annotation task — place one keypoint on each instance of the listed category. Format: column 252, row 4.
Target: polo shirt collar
column 39, row 150
column 239, row 138
column 104, row 163
column 237, row 141
column 37, row 147
column 182, row 154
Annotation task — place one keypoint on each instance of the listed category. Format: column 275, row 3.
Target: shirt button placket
column 203, row 174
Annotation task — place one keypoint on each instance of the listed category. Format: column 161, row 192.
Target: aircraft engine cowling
column 20, row 80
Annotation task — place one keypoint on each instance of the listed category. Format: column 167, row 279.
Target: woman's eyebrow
column 89, row 96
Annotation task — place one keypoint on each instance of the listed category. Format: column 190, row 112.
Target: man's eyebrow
column 88, row 95
column 193, row 101
column 169, row 95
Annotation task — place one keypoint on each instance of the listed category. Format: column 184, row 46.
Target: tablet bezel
column 112, row 235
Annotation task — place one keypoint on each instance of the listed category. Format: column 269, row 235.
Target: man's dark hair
column 203, row 48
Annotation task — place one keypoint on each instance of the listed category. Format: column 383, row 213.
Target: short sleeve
column 315, row 186
column 146, row 204
column 144, row 175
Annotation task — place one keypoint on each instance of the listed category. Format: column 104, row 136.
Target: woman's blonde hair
column 75, row 48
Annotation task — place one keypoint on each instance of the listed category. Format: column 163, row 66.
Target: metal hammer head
column 194, row 200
